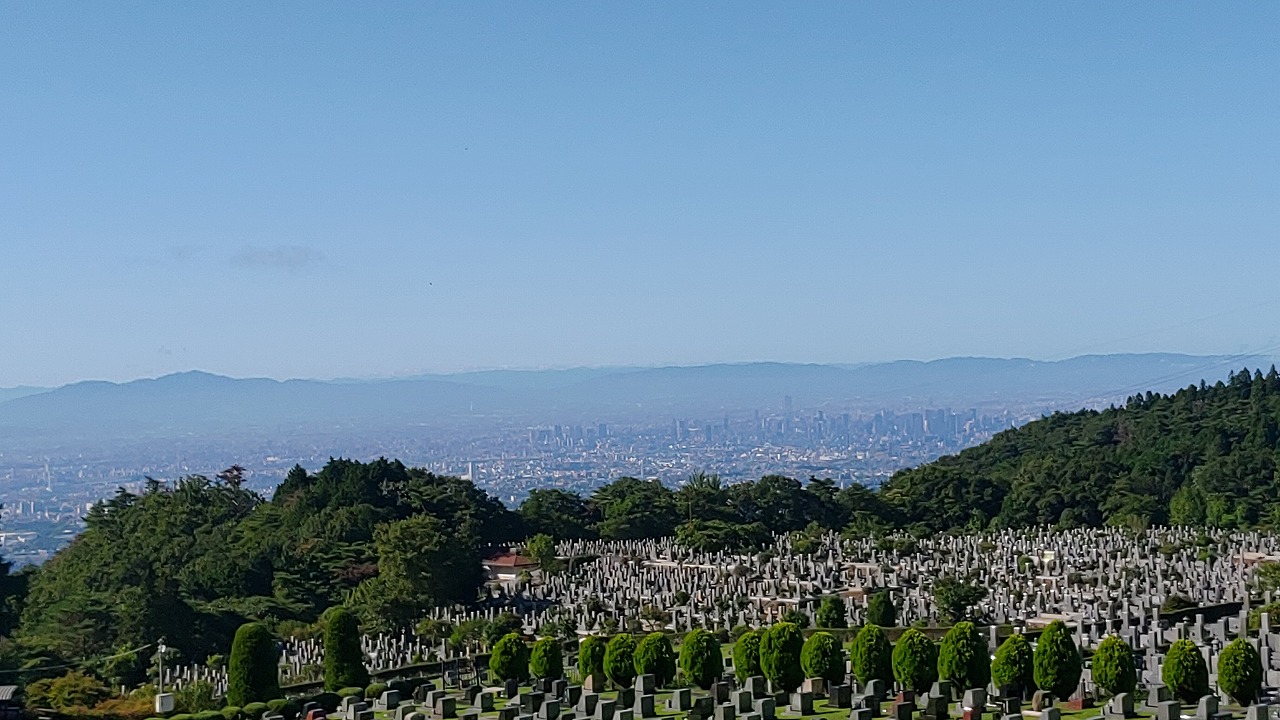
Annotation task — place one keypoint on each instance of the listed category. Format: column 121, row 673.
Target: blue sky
column 312, row 189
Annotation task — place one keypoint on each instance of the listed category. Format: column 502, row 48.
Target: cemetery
column 1163, row 623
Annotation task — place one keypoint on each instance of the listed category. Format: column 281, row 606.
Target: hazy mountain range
column 193, row 402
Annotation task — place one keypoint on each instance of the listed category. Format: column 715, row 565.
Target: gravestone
column 840, row 696
column 644, row 707
column 1169, row 710
column 742, row 701
column 724, row 711
column 680, row 700
column 444, row 707
column 766, row 708
column 549, row 710
column 388, row 700
column 646, row 684
column 757, row 686
column 1120, row 706
column 802, row 702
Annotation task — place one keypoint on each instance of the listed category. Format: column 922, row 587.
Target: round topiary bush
column 872, row 655
column 343, row 658
column 620, row 660
column 328, row 700
column 822, row 657
column 275, row 705
column 1013, row 668
column 700, row 659
column 374, row 690
column 356, row 692
column 546, row 660
column 746, row 655
column 832, row 613
column 232, row 712
column 1113, row 669
column 591, row 656
column 1240, row 672
column 181, row 716
column 254, row 710
column 963, row 659
column 1057, row 661
column 915, row 661
column 253, row 673
column 655, row 656
column 880, row 610
column 510, row 658
column 780, row 648
column 207, row 715
column 1184, row 672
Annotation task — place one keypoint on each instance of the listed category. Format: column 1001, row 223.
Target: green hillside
column 1204, row 454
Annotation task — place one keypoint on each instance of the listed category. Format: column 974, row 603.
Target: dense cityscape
column 46, row 497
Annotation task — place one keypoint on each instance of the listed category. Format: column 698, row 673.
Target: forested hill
column 1205, row 454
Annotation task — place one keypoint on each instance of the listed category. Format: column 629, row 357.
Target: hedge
column 655, row 656
column 915, row 661
column 872, row 655
column 1014, row 665
column 546, row 659
column 822, row 657
column 1112, row 668
column 962, row 658
column 746, row 655
column 1240, row 672
column 780, row 648
column 700, row 659
column 619, row 660
column 510, row 658
column 591, row 656
column 343, row 658
column 1184, row 672
column 1057, row 661
column 253, row 668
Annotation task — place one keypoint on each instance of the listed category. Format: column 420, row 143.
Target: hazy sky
column 306, row 189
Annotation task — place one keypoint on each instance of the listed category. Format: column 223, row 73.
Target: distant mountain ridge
column 199, row 401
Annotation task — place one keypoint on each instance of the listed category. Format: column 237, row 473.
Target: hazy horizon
column 1244, row 358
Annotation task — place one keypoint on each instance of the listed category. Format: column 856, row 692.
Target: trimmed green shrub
column 746, row 655
column 182, row 716
column 880, row 610
column 357, row 692
column 253, row 669
column 275, row 705
column 620, row 660
column 591, row 655
column 780, row 648
column 655, row 656
column 254, row 710
column 1113, row 668
column 328, row 700
column 374, row 690
column 963, row 659
column 831, row 613
column 343, row 659
column 1014, row 665
column 546, row 660
column 207, row 715
column 510, row 658
column 700, row 659
column 1240, row 672
column 872, row 655
column 232, row 712
column 822, row 657
column 1057, row 661
column 1184, row 672
column 915, row 661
